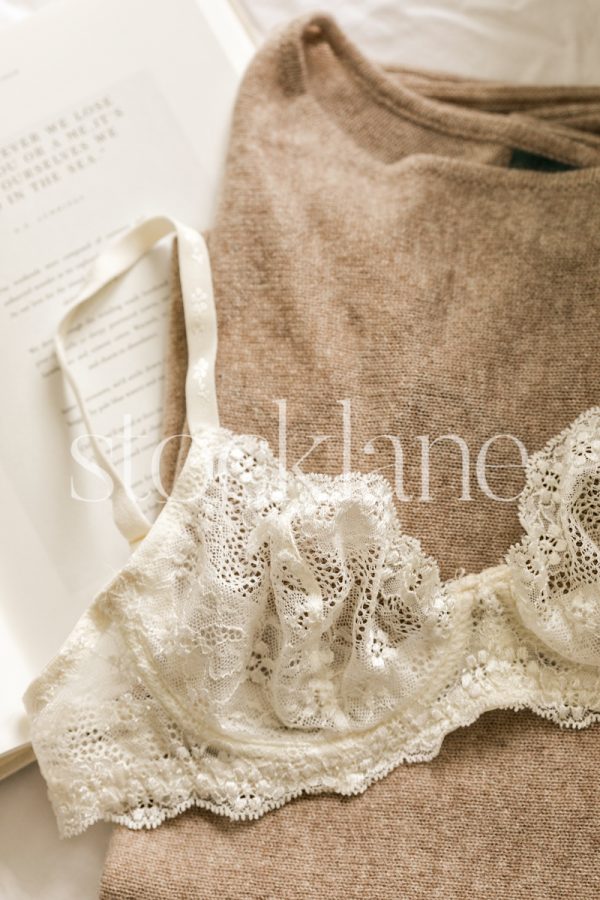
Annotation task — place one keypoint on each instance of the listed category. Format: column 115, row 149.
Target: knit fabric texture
column 384, row 237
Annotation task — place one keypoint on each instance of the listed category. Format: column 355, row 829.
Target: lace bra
column 276, row 633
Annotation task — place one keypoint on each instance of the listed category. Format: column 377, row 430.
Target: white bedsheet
column 539, row 41
column 35, row 864
column 536, row 41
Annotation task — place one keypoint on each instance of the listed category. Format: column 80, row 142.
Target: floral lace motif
column 558, row 561
column 277, row 633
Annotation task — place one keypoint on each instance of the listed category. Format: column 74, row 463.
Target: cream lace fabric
column 276, row 633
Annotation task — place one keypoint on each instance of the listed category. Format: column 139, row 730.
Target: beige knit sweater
column 384, row 238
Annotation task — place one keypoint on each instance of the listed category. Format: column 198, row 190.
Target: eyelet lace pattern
column 276, row 634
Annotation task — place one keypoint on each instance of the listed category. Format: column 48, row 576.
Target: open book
column 112, row 110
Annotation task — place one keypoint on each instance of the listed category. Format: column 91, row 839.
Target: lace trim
column 278, row 634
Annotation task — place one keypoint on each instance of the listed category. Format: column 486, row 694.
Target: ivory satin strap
column 197, row 292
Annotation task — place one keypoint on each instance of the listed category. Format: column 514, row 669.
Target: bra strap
column 200, row 318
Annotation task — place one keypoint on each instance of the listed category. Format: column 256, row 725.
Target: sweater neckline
column 520, row 132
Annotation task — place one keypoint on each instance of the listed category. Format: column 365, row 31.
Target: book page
column 112, row 138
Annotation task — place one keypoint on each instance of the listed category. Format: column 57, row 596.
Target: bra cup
column 556, row 566
column 289, row 601
column 362, row 623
